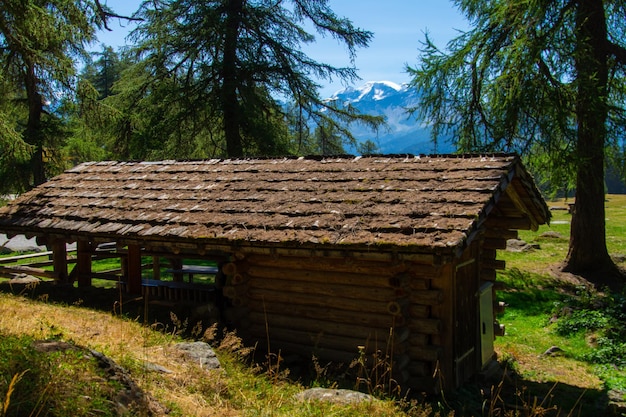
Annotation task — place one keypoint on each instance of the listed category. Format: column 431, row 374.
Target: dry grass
column 235, row 390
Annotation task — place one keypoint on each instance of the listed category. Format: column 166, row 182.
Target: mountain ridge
column 404, row 132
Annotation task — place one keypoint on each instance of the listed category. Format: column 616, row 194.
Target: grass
column 539, row 307
column 534, row 322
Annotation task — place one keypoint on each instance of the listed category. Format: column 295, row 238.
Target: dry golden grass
column 235, row 390
column 126, row 341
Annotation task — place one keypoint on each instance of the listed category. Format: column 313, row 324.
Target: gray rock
column 551, row 235
column 153, row 367
column 201, row 352
column 24, row 279
column 338, row 396
column 517, row 245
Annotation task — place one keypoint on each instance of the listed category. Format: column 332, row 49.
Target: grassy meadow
column 564, row 352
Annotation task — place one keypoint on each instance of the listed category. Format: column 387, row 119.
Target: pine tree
column 237, row 60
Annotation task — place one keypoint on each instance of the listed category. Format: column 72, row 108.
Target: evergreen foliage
column 40, row 41
column 210, row 78
column 545, row 79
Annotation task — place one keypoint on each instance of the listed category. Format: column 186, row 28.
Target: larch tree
column 238, row 60
column 40, row 42
column 544, row 78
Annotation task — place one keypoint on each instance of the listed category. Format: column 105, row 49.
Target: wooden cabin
column 327, row 256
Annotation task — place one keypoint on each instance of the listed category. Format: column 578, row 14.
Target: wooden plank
column 10, row 259
column 83, row 263
column 59, row 259
column 22, row 269
column 134, row 267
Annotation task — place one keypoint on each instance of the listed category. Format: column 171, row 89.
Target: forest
column 229, row 78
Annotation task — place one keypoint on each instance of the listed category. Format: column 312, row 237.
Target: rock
column 201, row 352
column 551, row 351
column 24, row 279
column 153, row 367
column 551, row 235
column 516, row 245
column 338, row 396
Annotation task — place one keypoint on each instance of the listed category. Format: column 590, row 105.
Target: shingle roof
column 428, row 201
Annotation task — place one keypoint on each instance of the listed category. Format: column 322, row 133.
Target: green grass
column 543, row 312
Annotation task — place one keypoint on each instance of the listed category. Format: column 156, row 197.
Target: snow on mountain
column 403, row 133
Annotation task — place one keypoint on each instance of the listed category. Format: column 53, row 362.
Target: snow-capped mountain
column 404, row 133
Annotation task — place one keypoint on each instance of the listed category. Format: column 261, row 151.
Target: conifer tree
column 237, row 60
column 544, row 78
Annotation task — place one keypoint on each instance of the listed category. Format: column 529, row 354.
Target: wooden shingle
column 407, row 201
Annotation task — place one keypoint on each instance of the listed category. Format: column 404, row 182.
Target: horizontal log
column 425, row 326
column 426, row 297
column 329, row 289
column 488, row 275
column 22, row 269
column 362, row 332
column 235, row 314
column 505, row 234
column 370, row 344
column 493, row 264
column 419, row 311
column 350, row 304
column 426, row 384
column 10, row 259
column 516, row 223
column 494, row 243
column 419, row 339
column 425, row 353
column 330, row 313
column 305, row 351
column 418, row 368
column 353, row 254
column 420, row 284
column 279, row 272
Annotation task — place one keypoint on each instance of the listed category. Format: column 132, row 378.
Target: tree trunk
column 588, row 253
column 33, row 133
column 230, row 102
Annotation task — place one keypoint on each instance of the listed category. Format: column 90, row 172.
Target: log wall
column 334, row 307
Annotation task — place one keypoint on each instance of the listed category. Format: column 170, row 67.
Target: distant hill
column 404, row 133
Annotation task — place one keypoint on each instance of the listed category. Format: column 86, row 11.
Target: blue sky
column 398, row 26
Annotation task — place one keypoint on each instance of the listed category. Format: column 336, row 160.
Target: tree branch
column 618, row 51
column 105, row 15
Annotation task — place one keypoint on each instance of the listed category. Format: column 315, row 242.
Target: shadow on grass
column 503, row 393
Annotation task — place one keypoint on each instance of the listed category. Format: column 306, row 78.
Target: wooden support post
column 84, row 250
column 133, row 275
column 156, row 268
column 177, row 265
column 59, row 260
